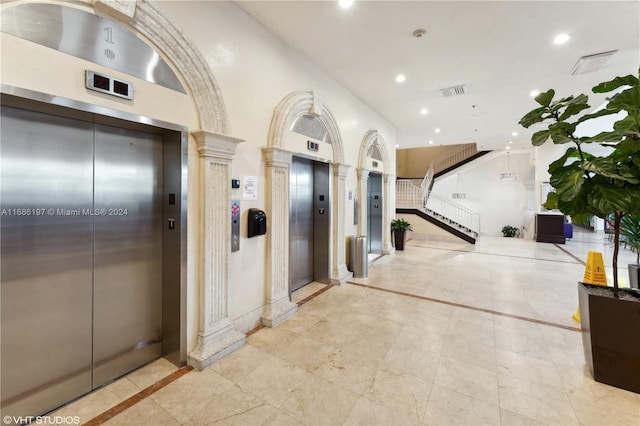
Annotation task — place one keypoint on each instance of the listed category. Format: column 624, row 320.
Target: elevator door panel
column 128, row 251
column 301, row 223
column 374, row 212
column 46, row 185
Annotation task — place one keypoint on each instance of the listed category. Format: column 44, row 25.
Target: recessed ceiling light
column 510, row 141
column 514, row 134
column 437, row 130
column 430, row 142
column 534, row 93
column 508, row 147
column 424, row 111
column 561, row 38
column 400, row 78
column 397, row 146
column 345, row 4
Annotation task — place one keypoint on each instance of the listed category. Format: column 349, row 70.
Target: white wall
column 255, row 71
column 499, row 203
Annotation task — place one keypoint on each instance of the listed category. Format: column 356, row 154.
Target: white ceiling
column 502, row 50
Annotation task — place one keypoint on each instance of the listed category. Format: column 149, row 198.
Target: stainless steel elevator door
column 374, row 212
column 128, row 251
column 46, row 182
column 300, row 223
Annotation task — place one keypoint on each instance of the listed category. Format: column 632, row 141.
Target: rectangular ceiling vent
column 591, row 63
column 454, row 91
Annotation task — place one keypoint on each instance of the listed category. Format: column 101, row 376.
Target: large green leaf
column 608, row 86
column 609, row 198
column 627, row 100
column 532, row 117
column 572, row 110
column 596, row 114
column 539, row 137
column 575, row 206
column 545, row 98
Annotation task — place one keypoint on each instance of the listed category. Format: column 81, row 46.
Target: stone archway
column 216, row 335
column 373, row 139
column 278, row 162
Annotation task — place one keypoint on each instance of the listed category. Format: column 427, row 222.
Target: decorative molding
column 278, row 163
column 216, row 334
column 372, row 137
column 300, row 103
column 363, row 181
column 339, row 272
column 123, row 10
column 179, row 52
column 277, row 306
column 389, row 185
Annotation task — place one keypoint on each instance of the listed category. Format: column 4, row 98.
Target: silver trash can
column 359, row 256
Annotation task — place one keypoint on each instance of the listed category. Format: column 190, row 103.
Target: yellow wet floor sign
column 594, row 273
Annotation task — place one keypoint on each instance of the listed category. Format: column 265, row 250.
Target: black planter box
column 611, row 337
column 398, row 237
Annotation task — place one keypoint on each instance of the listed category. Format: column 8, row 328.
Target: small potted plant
column 630, row 232
column 609, row 185
column 399, row 227
column 510, row 231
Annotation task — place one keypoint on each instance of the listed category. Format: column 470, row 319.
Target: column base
column 342, row 275
column 278, row 311
column 216, row 345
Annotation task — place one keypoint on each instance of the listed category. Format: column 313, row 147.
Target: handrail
column 409, row 195
column 454, row 212
column 427, row 182
column 468, row 150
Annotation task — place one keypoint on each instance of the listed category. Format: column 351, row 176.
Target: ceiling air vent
column 591, row 63
column 454, row 91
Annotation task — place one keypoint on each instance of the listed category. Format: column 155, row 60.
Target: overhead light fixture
column 534, row 93
column 424, row 111
column 510, row 143
column 437, row 130
column 397, row 146
column 430, row 142
column 345, row 4
column 514, row 134
column 561, row 38
column 400, row 78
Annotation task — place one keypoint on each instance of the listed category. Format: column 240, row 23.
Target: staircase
column 442, row 212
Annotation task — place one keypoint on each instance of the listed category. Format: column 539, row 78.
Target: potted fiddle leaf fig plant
column 399, row 227
column 587, row 184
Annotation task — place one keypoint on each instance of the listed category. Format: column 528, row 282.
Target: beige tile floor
column 363, row 356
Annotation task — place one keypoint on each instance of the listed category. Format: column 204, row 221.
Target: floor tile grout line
column 474, row 308
column 495, row 254
column 582, row 262
column 134, row 399
column 314, row 295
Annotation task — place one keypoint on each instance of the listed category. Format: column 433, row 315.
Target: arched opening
column 375, row 180
column 279, row 158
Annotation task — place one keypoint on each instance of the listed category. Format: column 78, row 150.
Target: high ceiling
column 501, row 51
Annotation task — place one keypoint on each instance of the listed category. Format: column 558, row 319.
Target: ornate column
column 339, row 272
column 278, row 307
column 216, row 335
column 388, row 212
column 363, row 179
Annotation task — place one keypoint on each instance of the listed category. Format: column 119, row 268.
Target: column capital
column 214, row 145
column 340, row 169
column 277, row 157
column 363, row 174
